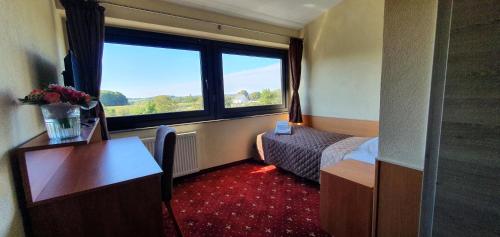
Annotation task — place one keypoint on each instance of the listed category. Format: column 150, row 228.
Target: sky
column 139, row 71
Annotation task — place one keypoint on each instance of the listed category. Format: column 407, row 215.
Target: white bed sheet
column 363, row 149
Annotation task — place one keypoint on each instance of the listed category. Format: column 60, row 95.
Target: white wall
column 343, row 61
column 409, row 29
column 28, row 56
column 179, row 20
column 221, row 142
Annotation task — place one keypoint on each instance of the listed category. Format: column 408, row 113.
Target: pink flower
column 36, row 92
column 68, row 91
column 55, row 94
column 52, row 97
column 56, row 88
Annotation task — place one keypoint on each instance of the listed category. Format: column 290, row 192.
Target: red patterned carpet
column 246, row 200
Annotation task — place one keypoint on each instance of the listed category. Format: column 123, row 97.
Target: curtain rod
column 219, row 25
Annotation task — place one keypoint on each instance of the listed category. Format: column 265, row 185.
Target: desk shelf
column 90, row 132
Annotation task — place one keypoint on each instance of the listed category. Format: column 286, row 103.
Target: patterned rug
column 246, row 200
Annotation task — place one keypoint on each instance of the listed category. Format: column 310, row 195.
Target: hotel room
column 249, row 118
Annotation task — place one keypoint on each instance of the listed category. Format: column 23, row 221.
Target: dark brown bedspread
column 299, row 153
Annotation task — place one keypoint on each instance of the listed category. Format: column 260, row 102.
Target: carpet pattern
column 246, row 200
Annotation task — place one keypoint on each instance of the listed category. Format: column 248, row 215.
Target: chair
column 164, row 155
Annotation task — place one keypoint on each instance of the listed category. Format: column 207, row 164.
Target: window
column 140, row 80
column 251, row 81
column 150, row 79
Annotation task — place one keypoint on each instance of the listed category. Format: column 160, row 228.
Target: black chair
column 164, row 155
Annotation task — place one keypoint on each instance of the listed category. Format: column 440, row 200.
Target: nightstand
column 346, row 198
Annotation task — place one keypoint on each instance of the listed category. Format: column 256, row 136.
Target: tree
column 113, row 98
column 228, row 101
column 150, row 108
column 243, row 92
column 164, row 104
column 199, row 103
column 268, row 97
column 254, row 96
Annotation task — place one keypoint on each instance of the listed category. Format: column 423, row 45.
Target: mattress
column 299, row 153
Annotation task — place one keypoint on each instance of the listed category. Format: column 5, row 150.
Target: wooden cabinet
column 88, row 187
column 346, row 198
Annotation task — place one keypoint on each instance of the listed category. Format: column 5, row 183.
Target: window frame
column 212, row 78
column 247, row 50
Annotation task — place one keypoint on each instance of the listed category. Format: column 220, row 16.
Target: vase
column 62, row 120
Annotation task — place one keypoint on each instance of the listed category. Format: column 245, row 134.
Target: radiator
column 185, row 156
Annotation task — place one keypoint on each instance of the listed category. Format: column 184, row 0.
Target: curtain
column 295, row 59
column 85, row 29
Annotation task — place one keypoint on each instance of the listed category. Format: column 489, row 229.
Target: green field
column 116, row 104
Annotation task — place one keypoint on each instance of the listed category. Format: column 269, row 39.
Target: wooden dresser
column 88, row 187
column 346, row 198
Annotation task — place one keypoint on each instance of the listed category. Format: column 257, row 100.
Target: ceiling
column 293, row 14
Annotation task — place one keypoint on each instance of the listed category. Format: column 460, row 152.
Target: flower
column 52, row 97
column 58, row 94
column 56, row 88
column 36, row 92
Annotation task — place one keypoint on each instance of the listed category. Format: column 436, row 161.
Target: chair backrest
column 164, row 155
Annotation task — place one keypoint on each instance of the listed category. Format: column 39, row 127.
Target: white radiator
column 186, row 153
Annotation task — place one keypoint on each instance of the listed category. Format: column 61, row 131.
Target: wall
column 343, row 60
column 182, row 20
column 409, row 29
column 221, row 142
column 409, row 35
column 467, row 189
column 354, row 127
column 29, row 56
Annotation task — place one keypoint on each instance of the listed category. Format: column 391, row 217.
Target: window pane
column 140, row 80
column 251, row 81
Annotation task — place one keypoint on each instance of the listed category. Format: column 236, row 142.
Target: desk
column 90, row 187
column 346, row 198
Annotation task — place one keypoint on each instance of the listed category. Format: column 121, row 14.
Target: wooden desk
column 346, row 198
column 85, row 188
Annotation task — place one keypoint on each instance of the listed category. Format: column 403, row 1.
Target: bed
column 307, row 150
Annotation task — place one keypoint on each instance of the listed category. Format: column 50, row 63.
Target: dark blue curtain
column 85, row 29
column 295, row 60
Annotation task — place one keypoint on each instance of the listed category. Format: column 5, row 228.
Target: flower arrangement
column 58, row 94
column 60, row 107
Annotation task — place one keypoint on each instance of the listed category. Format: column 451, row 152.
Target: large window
column 139, row 80
column 150, row 79
column 251, row 81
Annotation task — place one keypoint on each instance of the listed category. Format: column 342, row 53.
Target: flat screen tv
column 71, row 73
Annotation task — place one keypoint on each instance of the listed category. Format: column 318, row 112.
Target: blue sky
column 138, row 71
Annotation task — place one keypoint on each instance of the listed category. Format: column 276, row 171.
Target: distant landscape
column 117, row 104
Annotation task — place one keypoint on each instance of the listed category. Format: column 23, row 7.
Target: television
column 71, row 72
